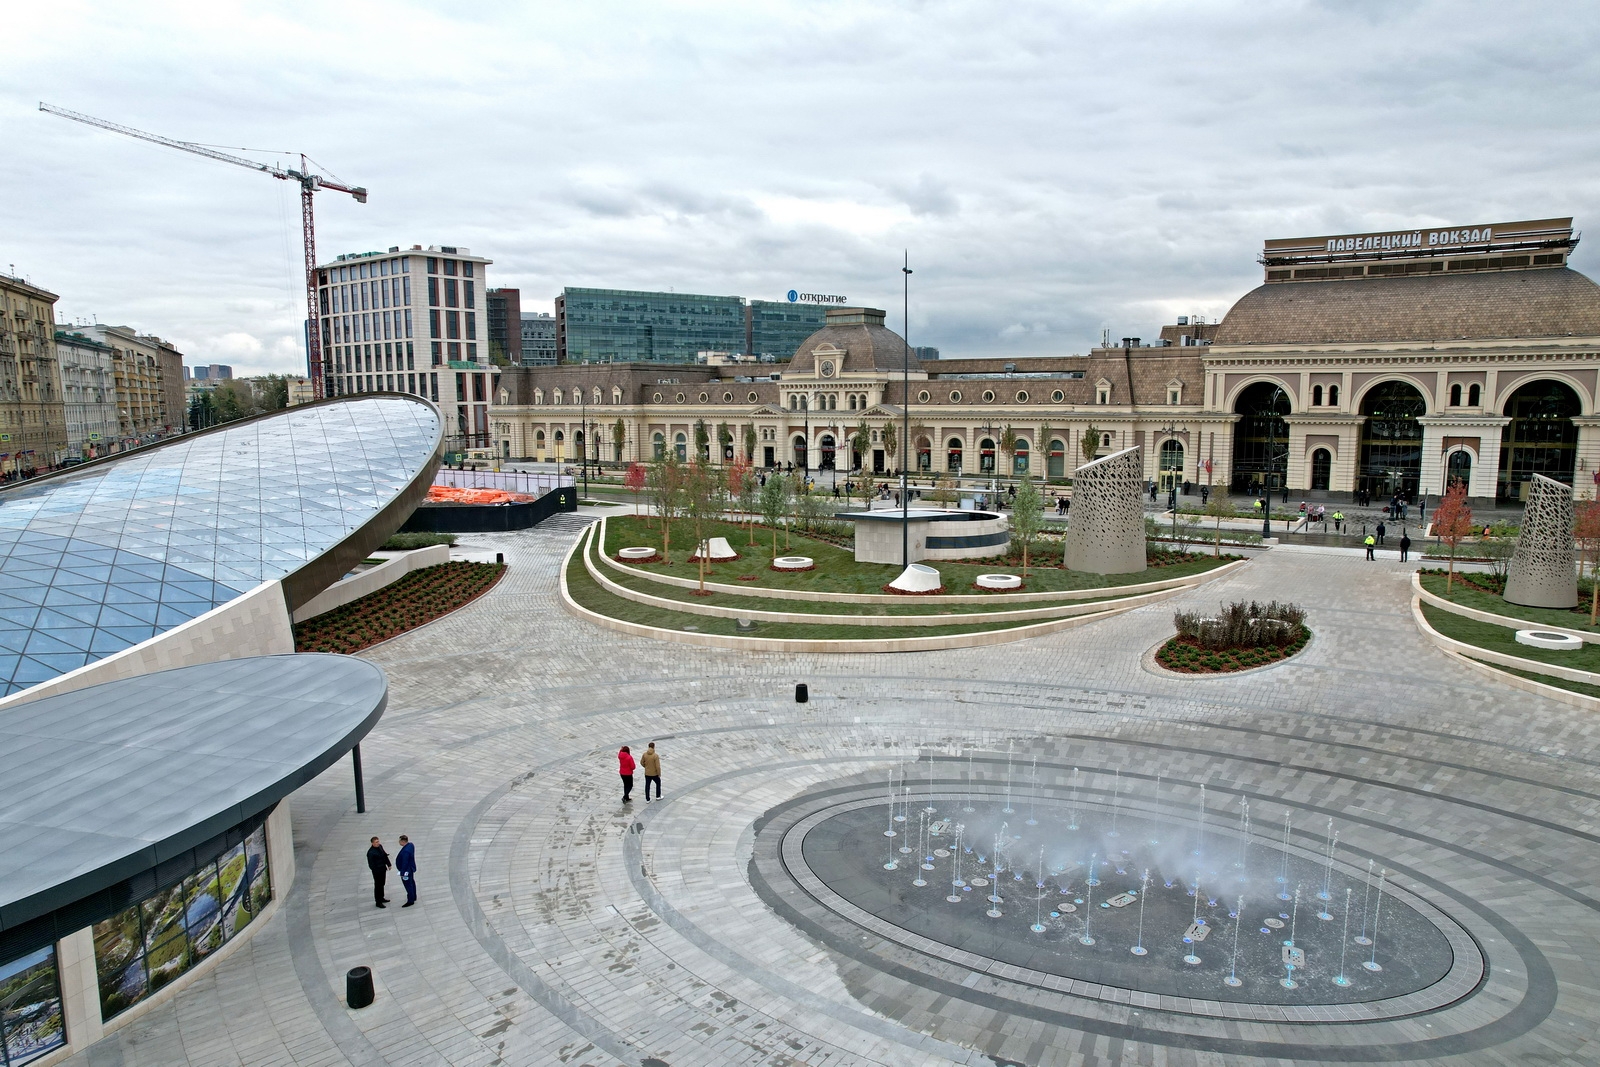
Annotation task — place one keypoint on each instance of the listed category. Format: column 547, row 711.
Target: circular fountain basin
column 793, row 563
column 1552, row 639
column 998, row 581
column 635, row 553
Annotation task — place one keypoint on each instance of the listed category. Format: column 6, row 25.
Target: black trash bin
column 358, row 991
column 801, row 693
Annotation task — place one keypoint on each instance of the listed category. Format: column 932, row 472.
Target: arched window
column 852, row 401
column 1316, row 395
column 799, row 444
column 680, row 444
column 1019, row 458
column 1458, row 468
column 594, row 397
column 1455, row 395
column 1260, row 437
column 555, row 396
column 538, row 396
column 1474, row 394
column 1105, row 440
column 1540, row 438
column 1056, row 466
column 1333, row 395
column 826, row 461
column 616, row 394
column 924, row 454
column 833, row 401
column 658, row 444
column 1391, row 440
column 1321, row 470
column 1171, row 462
column 538, row 439
column 986, row 456
column 953, row 455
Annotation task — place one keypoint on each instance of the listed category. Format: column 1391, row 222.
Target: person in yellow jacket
column 1369, row 542
column 651, row 762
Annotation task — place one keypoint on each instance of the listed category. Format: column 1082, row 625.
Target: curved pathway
column 558, row 927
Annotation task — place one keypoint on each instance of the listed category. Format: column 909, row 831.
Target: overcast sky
column 1055, row 169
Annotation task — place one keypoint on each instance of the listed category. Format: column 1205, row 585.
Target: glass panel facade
column 622, row 326
column 96, row 561
column 1391, row 441
column 777, row 327
column 146, row 946
column 1260, row 438
column 1540, row 439
column 31, row 1021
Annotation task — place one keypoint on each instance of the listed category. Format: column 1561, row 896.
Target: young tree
column 799, row 489
column 619, row 438
column 918, row 431
column 724, row 439
column 860, row 441
column 1586, row 530
column 750, row 443
column 1218, row 506
column 702, row 440
column 1041, row 449
column 1027, row 516
column 774, row 503
column 704, row 499
column 666, row 486
column 1452, row 521
column 891, row 441
column 1008, row 445
column 1089, row 443
column 745, row 487
column 635, row 480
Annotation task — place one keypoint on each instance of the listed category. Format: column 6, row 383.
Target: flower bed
column 417, row 598
column 1186, row 656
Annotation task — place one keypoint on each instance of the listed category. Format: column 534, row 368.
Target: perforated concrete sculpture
column 1105, row 531
column 1541, row 574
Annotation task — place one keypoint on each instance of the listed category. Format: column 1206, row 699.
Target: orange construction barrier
column 446, row 494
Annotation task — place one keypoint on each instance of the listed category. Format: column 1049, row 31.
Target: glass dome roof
column 95, row 561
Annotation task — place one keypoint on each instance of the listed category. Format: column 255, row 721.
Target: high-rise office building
column 925, row 352
column 505, row 325
column 775, row 328
column 538, row 339
column 411, row 321
column 630, row 326
column 211, row 372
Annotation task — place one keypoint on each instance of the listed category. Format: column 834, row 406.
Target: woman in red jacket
column 625, row 767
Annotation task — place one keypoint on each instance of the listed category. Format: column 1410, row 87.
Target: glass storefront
column 31, row 1020
column 1540, row 439
column 146, row 946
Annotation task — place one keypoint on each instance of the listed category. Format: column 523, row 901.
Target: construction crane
column 309, row 185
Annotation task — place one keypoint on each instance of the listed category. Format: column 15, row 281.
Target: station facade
column 1375, row 363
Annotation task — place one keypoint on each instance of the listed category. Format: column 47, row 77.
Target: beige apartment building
column 148, row 374
column 33, row 432
column 1364, row 364
column 88, row 395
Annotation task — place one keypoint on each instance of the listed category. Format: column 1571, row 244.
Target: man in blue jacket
column 405, row 861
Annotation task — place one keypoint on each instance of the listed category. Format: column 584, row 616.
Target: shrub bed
column 405, row 542
column 1240, row 637
column 417, row 598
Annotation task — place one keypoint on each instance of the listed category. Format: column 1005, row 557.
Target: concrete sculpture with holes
column 1105, row 534
column 1542, row 573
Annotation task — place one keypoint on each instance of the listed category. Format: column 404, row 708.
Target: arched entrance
column 924, row 454
column 1321, row 470
column 826, row 461
column 799, row 444
column 986, row 456
column 658, row 445
column 1171, row 465
column 1391, row 440
column 1458, row 468
column 1019, row 458
column 561, row 442
column 1260, row 438
column 1057, row 464
column 681, row 445
column 953, row 456
column 1539, row 439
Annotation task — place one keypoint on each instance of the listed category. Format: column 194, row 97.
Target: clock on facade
column 827, row 368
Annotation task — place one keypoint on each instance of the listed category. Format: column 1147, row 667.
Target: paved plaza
column 557, row 926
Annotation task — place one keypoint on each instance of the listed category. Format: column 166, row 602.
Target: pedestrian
column 378, row 864
column 1205, row 494
column 1381, row 529
column 625, row 768
column 1370, row 542
column 1338, row 521
column 405, row 861
column 651, row 762
column 1405, row 546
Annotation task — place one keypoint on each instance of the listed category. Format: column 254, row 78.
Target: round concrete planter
column 1550, row 639
column 998, row 581
column 793, row 563
column 636, row 554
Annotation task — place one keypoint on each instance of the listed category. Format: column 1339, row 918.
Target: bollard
column 358, row 987
column 499, row 557
column 801, row 693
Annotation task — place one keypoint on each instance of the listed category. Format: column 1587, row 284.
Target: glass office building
column 98, row 559
column 627, row 326
column 775, row 328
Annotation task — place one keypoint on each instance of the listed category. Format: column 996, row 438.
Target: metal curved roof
column 98, row 559
column 1554, row 302
column 104, row 783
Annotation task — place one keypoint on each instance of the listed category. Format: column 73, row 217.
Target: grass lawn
column 587, row 592
column 1468, row 597
column 837, row 570
column 1502, row 639
column 1549, row 679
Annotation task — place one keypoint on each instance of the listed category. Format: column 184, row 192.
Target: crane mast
column 309, row 185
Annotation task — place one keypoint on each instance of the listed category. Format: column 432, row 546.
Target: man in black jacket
column 378, row 863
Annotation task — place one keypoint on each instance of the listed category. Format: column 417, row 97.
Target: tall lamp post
column 583, row 419
column 1272, row 453
column 905, row 409
column 1172, row 491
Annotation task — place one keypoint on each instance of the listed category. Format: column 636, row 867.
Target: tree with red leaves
column 1586, row 531
column 1452, row 522
column 635, row 481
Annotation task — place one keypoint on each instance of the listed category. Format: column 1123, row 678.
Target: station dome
column 857, row 341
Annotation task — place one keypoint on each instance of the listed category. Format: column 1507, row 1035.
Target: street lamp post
column 583, row 419
column 1172, row 491
column 905, row 409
